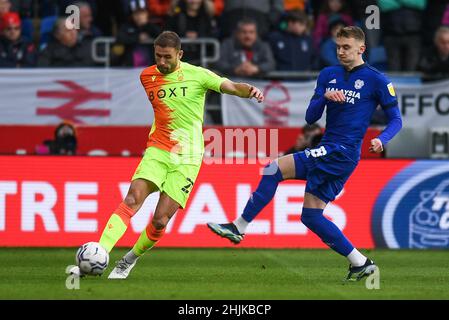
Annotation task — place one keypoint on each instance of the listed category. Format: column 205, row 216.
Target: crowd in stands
column 256, row 36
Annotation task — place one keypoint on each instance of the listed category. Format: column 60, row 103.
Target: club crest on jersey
column 153, row 78
column 359, row 84
column 180, row 75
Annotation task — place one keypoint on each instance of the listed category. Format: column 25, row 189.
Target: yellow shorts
column 169, row 173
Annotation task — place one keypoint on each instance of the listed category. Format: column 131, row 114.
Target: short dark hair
column 168, row 39
column 59, row 25
column 441, row 30
column 296, row 16
column 245, row 21
column 352, row 32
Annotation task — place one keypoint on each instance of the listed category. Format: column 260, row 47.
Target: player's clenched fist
column 256, row 93
column 376, row 146
column 336, row 96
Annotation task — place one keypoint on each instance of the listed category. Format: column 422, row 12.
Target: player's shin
column 147, row 240
column 331, row 235
column 116, row 226
column 261, row 197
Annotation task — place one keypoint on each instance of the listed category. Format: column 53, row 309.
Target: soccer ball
column 92, row 258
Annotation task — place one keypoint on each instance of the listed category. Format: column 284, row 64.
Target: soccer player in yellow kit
column 175, row 146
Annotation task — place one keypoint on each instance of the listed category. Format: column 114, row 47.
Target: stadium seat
column 27, row 28
column 46, row 30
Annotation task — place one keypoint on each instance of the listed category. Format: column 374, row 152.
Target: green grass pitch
column 227, row 274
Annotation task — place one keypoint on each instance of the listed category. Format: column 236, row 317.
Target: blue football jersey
column 364, row 88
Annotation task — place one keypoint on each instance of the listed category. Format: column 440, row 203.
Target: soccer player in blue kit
column 350, row 92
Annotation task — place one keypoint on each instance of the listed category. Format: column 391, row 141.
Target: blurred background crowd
column 255, row 36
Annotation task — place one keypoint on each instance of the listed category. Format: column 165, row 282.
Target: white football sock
column 356, row 258
column 241, row 224
column 130, row 257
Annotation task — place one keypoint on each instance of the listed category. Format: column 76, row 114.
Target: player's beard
column 167, row 69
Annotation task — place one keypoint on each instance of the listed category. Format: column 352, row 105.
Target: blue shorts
column 326, row 169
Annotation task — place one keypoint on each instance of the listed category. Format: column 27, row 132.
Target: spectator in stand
column 401, row 25
column 330, row 11
column 22, row 6
column 65, row 142
column 245, row 55
column 445, row 18
column 265, row 13
column 15, row 51
column 25, row 9
column 64, row 50
column 163, row 9
column 292, row 47
column 5, row 7
column 218, row 7
column 328, row 50
column 134, row 36
column 310, row 137
column 87, row 28
column 439, row 11
column 435, row 61
column 295, row 5
column 110, row 15
column 160, row 10
column 192, row 20
column 209, row 7
column 358, row 8
column 47, row 8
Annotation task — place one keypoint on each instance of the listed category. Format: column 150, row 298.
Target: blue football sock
column 264, row 193
column 326, row 230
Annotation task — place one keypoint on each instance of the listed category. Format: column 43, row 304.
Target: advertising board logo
column 276, row 111
column 412, row 211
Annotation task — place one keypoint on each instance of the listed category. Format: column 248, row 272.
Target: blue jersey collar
column 348, row 73
column 357, row 68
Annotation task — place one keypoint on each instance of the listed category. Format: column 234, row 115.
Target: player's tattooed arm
column 243, row 90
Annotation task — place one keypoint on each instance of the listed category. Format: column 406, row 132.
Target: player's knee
column 306, row 219
column 309, row 216
column 159, row 223
column 134, row 199
column 273, row 171
column 130, row 201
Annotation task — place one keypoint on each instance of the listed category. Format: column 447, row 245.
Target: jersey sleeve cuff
column 390, row 105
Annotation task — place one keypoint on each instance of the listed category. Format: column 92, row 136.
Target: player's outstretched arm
column 243, row 90
column 387, row 99
column 393, row 127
